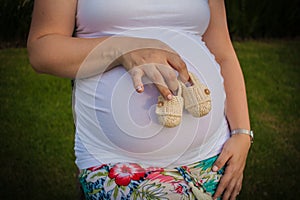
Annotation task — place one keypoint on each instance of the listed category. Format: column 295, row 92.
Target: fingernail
column 215, row 168
column 139, row 88
column 169, row 97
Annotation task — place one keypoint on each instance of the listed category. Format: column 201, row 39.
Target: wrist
column 244, row 132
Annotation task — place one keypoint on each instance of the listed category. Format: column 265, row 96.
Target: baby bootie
column 197, row 99
column 169, row 112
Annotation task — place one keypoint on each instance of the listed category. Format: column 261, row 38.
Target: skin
column 52, row 27
column 235, row 150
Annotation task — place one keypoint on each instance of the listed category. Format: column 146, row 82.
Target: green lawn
column 36, row 154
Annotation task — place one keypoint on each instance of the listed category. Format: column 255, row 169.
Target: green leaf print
column 123, row 188
column 110, row 182
column 209, row 186
column 206, row 164
column 153, row 191
column 135, row 195
column 149, row 191
column 115, row 194
column 95, row 191
column 176, row 175
column 99, row 174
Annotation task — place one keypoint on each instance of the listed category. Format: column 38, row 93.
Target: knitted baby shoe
column 169, row 112
column 197, row 99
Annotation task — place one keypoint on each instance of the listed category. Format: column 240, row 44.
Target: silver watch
column 243, row 131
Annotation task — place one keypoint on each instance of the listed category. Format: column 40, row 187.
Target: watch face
column 250, row 133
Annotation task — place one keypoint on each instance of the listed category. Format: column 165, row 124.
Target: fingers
column 158, row 65
column 170, row 77
column 157, row 78
column 137, row 74
column 223, row 184
column 179, row 65
column 162, row 76
column 229, row 186
column 237, row 188
column 233, row 154
column 231, row 182
column 221, row 161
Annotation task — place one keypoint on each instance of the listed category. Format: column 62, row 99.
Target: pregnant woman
column 122, row 56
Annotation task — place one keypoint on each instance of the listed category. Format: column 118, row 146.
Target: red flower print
column 96, row 167
column 179, row 189
column 154, row 169
column 186, row 168
column 160, row 177
column 123, row 173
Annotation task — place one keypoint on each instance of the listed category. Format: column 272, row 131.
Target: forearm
column 218, row 41
column 80, row 57
column 53, row 50
column 235, row 150
column 63, row 55
column 236, row 100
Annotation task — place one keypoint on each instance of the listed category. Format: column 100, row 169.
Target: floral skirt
column 132, row 181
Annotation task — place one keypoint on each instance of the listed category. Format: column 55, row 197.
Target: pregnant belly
column 111, row 114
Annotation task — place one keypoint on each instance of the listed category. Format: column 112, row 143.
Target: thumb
column 221, row 161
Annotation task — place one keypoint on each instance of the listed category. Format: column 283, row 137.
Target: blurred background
column 246, row 19
column 37, row 132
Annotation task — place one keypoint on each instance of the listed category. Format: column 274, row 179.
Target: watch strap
column 243, row 131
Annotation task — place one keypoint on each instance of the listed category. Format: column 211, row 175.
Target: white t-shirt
column 116, row 124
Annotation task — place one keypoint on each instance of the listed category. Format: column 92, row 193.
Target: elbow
column 34, row 64
column 34, row 58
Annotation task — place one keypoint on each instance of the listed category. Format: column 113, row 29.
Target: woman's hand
column 158, row 63
column 233, row 155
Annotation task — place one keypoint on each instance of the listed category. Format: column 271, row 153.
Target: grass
column 36, row 154
column 272, row 71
